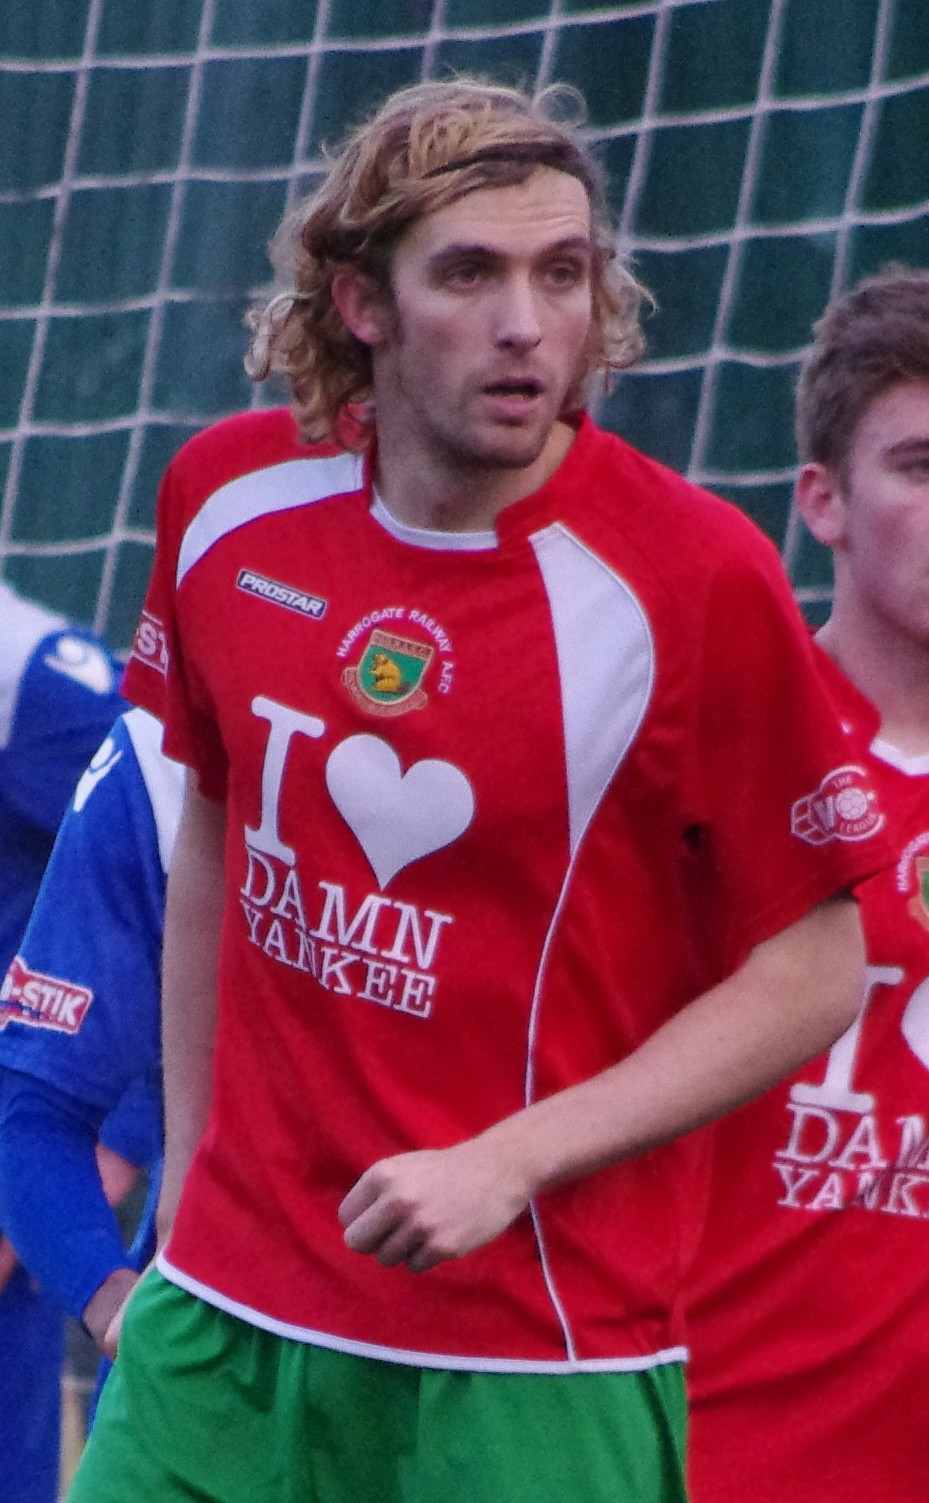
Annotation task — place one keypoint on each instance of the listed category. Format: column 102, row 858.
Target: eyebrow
column 459, row 249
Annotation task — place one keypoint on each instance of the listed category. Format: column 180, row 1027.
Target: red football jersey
column 497, row 806
column 810, row 1322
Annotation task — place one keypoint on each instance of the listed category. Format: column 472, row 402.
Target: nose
column 518, row 323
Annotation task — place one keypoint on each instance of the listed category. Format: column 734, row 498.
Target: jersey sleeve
column 66, row 700
column 161, row 676
column 134, row 1128
column 79, row 1007
column 52, row 1204
column 790, row 814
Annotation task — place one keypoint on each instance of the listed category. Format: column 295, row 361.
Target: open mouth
column 519, row 389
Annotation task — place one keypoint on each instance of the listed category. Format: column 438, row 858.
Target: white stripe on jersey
column 604, row 696
column 164, row 779
column 260, row 493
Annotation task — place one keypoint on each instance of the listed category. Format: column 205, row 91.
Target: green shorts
column 204, row 1407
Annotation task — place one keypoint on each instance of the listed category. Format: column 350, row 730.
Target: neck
column 449, row 495
column 890, row 668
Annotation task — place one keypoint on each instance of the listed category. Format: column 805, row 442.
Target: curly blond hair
column 427, row 147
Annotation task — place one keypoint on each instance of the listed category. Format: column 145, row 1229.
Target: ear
column 821, row 503
column 361, row 305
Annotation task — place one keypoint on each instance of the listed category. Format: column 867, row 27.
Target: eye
column 916, row 467
column 565, row 274
column 464, row 275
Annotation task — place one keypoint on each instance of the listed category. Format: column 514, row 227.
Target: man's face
column 882, row 553
column 490, row 327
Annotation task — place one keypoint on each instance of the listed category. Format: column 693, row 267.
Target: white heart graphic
column 397, row 817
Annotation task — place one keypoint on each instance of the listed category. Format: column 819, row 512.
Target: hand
column 104, row 1311
column 424, row 1208
column 117, row 1175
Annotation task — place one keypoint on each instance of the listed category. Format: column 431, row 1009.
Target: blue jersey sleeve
column 79, row 1017
column 79, row 1007
column 52, row 1205
column 134, row 1128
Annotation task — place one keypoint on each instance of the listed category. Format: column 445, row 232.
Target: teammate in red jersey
column 810, row 1332
column 494, row 856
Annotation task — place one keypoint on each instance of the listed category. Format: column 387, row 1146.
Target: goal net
column 763, row 154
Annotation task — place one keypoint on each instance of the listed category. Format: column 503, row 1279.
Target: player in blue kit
column 59, row 694
column 93, row 947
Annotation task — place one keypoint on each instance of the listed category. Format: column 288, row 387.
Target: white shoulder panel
column 606, row 662
column 279, row 487
column 164, row 779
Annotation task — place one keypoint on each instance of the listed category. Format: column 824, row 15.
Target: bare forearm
column 792, row 998
column 787, row 1004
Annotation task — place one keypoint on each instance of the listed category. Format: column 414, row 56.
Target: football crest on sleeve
column 41, row 1001
column 843, row 807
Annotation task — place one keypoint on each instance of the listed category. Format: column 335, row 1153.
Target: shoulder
column 131, row 790
column 25, row 626
column 248, row 466
column 244, row 444
column 54, row 677
column 684, row 535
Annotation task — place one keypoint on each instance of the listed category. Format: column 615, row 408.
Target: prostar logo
column 42, row 1001
column 843, row 807
column 280, row 594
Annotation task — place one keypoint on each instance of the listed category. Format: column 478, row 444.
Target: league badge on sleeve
column 843, row 807
column 41, row 1001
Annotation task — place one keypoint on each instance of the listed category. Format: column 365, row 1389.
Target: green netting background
column 764, row 154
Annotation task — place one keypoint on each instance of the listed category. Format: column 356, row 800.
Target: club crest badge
column 387, row 679
column 912, row 877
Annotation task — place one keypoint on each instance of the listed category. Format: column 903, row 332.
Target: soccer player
column 94, row 943
column 492, row 880
column 810, row 1330
column 58, row 696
